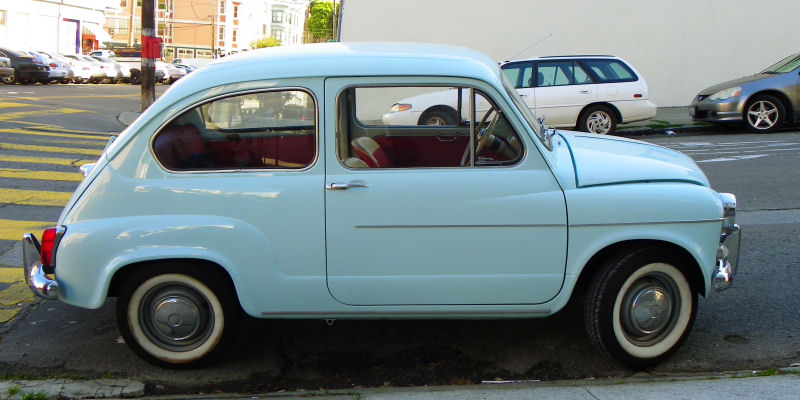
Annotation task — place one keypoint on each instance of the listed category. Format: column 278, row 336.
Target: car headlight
column 397, row 107
column 726, row 93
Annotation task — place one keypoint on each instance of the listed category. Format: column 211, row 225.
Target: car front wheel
column 176, row 314
column 764, row 114
column 597, row 119
column 640, row 307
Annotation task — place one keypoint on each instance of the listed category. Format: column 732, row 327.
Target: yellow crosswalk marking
column 49, row 149
column 22, row 114
column 40, row 175
column 56, row 128
column 54, row 134
column 13, row 230
column 45, row 160
column 33, row 197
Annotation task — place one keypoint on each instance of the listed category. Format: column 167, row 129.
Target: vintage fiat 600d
column 267, row 183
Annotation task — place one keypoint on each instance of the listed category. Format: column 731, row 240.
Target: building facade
column 210, row 28
column 64, row 26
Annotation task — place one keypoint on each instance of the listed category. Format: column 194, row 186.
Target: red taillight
column 53, row 65
column 48, row 240
column 637, row 96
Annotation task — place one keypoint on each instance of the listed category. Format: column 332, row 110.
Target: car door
column 563, row 89
column 520, row 74
column 492, row 231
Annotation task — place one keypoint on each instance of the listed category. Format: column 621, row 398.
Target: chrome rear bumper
column 727, row 257
column 35, row 275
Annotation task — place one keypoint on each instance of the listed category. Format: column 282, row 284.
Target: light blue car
column 267, row 183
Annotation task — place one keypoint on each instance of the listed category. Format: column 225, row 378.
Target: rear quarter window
column 606, row 71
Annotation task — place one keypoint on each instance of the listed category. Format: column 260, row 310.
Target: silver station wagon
column 267, row 184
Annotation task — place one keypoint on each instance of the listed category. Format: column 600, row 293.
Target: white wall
column 679, row 46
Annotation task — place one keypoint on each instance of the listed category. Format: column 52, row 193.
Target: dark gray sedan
column 764, row 101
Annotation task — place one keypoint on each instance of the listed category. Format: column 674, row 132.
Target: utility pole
column 149, row 41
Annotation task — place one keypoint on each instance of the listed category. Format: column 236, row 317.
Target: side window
column 267, row 130
column 610, row 71
column 519, row 74
column 560, row 73
column 422, row 127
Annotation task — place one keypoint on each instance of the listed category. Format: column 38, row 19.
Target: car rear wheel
column 177, row 314
column 764, row 114
column 438, row 117
column 640, row 307
column 597, row 119
column 10, row 80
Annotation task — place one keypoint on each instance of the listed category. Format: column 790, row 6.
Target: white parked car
column 59, row 71
column 588, row 93
column 264, row 183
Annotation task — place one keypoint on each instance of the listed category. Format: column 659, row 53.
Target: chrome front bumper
column 35, row 275
column 727, row 257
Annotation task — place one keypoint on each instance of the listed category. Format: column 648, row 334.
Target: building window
column 123, row 3
column 233, row 37
column 235, row 11
column 221, row 33
column 222, row 7
column 277, row 16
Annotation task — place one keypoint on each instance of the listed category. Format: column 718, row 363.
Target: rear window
column 610, row 71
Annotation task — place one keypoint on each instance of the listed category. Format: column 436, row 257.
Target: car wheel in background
column 763, row 114
column 10, row 80
column 597, row 119
column 136, row 77
column 640, row 307
column 177, row 314
column 438, row 117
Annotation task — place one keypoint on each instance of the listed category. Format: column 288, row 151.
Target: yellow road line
column 53, row 134
column 9, row 104
column 50, row 149
column 14, row 173
column 109, row 96
column 45, row 160
column 22, row 114
column 34, row 197
column 13, row 230
column 56, row 128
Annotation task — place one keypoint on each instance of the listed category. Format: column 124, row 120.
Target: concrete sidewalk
column 668, row 120
column 746, row 385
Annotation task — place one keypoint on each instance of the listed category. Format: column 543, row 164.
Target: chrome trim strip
column 698, row 221
column 461, row 226
column 334, row 314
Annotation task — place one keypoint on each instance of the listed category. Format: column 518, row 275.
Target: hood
column 735, row 82
column 605, row 160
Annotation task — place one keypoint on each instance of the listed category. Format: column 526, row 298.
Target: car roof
column 346, row 59
column 567, row 57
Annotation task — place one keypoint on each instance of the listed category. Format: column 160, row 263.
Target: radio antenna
column 525, row 49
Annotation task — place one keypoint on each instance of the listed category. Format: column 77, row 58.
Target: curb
column 71, row 389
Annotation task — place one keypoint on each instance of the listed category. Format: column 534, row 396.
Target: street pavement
column 771, row 384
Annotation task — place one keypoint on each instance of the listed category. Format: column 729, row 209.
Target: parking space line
column 56, row 128
column 50, row 149
column 45, row 160
column 13, row 230
column 9, row 104
column 40, row 175
column 34, row 197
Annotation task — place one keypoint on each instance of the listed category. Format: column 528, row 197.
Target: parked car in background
column 103, row 71
column 86, row 71
column 763, row 101
column 194, row 62
column 72, row 74
column 26, row 70
column 171, row 73
column 589, row 93
column 360, row 219
column 6, row 70
column 187, row 68
column 59, row 71
column 117, row 72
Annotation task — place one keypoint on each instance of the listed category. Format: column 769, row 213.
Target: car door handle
column 345, row 186
column 586, row 91
column 523, row 95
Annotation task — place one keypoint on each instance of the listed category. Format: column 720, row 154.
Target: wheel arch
column 438, row 107
column 614, row 109
column 689, row 265
column 788, row 107
column 123, row 272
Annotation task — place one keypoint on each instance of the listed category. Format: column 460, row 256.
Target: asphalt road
column 754, row 325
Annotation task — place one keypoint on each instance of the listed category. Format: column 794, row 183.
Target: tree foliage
column 265, row 42
column 320, row 20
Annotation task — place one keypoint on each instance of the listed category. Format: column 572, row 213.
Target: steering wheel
column 483, row 136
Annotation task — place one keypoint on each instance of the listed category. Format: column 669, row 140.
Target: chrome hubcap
column 598, row 122
column 649, row 309
column 176, row 317
column 762, row 115
column 435, row 121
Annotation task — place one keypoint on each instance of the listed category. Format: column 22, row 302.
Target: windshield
column 788, row 64
column 526, row 112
